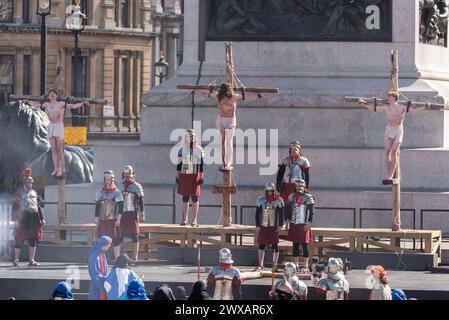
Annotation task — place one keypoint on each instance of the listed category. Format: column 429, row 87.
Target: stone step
column 331, row 167
column 343, row 126
column 344, row 208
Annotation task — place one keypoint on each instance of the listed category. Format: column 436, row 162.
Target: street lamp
column 160, row 66
column 43, row 10
column 76, row 23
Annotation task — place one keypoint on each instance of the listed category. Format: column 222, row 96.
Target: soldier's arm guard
column 280, row 215
column 97, row 209
column 305, row 174
column 236, row 288
column 279, row 176
column 202, row 165
column 141, row 207
column 120, row 207
column 310, row 212
column 258, row 213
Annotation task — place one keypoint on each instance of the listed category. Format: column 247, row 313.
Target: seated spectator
column 63, row 291
column 136, row 291
column 163, row 292
column 180, row 293
column 199, row 291
column 117, row 281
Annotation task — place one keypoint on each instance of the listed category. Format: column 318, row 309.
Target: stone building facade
column 121, row 41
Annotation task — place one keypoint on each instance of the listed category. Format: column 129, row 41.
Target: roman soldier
column 334, row 285
column 293, row 167
column 300, row 215
column 28, row 220
column 190, row 176
column 269, row 220
column 224, row 281
column 108, row 211
column 290, row 287
column 133, row 209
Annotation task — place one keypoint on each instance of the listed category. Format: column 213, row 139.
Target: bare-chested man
column 226, row 100
column 55, row 111
column 394, row 131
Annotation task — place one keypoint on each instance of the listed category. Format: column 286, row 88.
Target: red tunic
column 296, row 234
column 287, row 189
column 268, row 235
column 21, row 233
column 188, row 184
column 107, row 228
column 129, row 223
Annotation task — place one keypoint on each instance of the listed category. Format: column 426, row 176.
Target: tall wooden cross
column 61, row 182
column 396, row 181
column 228, row 188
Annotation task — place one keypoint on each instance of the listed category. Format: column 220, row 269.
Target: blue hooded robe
column 63, row 291
column 98, row 269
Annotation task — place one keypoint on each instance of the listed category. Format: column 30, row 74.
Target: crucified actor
column 394, row 131
column 55, row 111
column 226, row 100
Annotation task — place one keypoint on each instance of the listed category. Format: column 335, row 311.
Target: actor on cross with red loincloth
column 133, row 209
column 190, row 176
column 269, row 220
column 108, row 210
column 28, row 220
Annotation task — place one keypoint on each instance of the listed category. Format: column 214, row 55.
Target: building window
column 26, row 74
column 6, row 10
column 6, row 77
column 26, row 11
column 79, row 72
column 124, row 9
column 124, row 88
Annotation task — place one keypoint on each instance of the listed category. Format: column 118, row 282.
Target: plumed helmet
column 128, row 169
column 109, row 174
column 270, row 186
column 225, row 256
column 300, row 183
column 296, row 144
column 187, row 136
column 28, row 179
column 289, row 269
column 335, row 265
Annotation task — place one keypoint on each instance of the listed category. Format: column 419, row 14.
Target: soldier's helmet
column 225, row 256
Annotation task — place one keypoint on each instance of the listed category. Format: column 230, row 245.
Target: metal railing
column 125, row 120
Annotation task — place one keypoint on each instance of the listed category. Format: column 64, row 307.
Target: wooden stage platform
column 241, row 236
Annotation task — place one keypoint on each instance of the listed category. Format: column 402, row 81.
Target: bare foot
column 53, row 173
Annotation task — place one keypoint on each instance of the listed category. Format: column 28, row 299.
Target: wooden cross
column 228, row 188
column 396, row 181
column 61, row 182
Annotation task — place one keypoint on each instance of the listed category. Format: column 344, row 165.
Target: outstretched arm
column 369, row 106
column 252, row 96
column 77, row 105
column 419, row 109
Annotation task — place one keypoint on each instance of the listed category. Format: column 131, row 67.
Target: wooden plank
column 381, row 245
column 57, row 241
column 428, row 244
column 433, row 106
column 323, row 244
column 239, row 89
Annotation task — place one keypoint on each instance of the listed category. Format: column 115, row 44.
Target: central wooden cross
column 228, row 187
